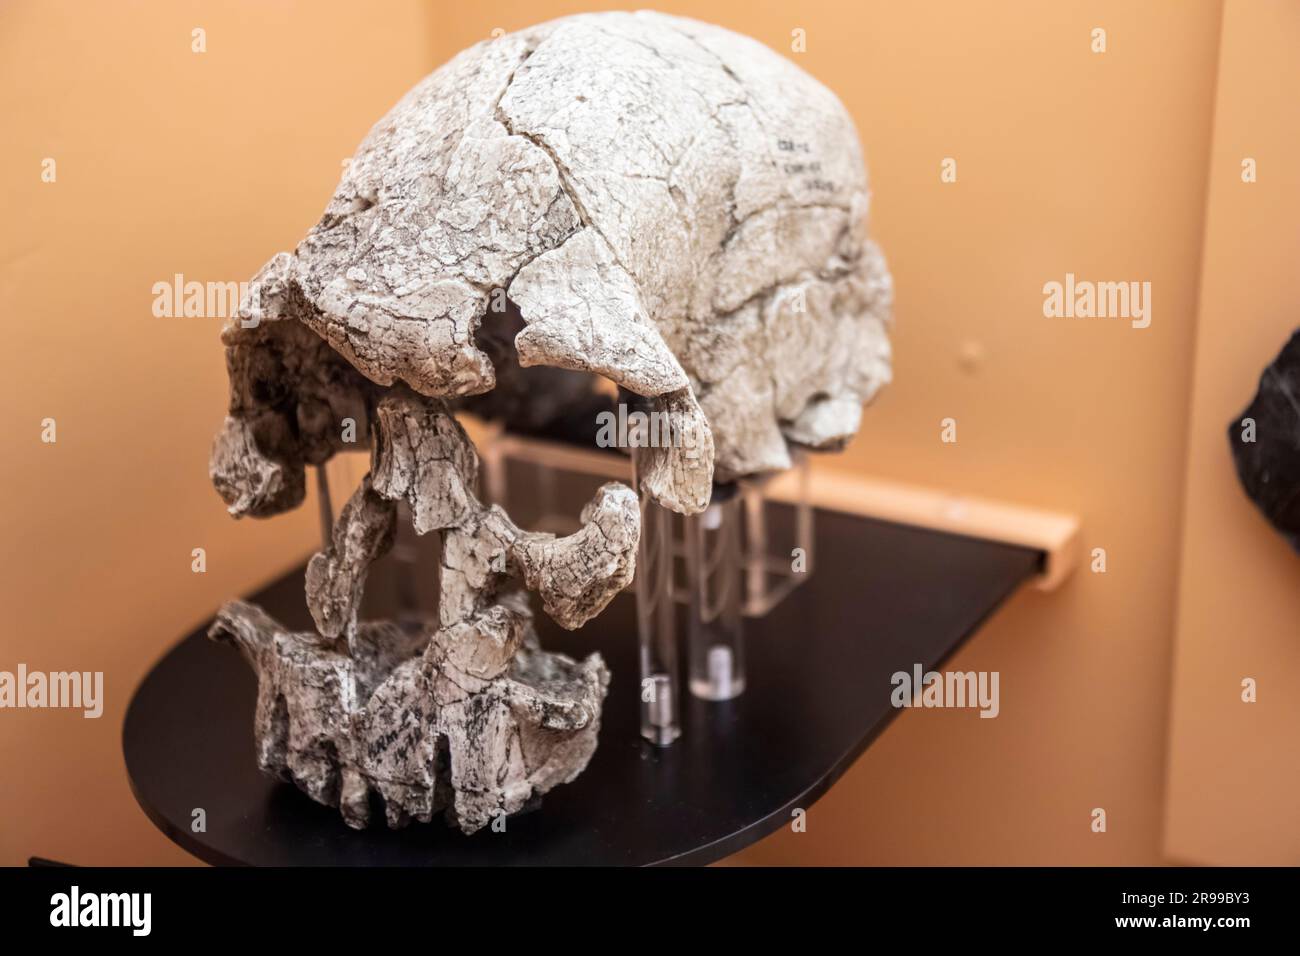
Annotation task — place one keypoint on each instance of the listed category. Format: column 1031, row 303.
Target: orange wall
column 167, row 161
column 1234, row 769
column 206, row 164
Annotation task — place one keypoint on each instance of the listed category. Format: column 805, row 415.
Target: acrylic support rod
column 656, row 613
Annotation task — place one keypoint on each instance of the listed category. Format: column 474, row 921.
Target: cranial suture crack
column 618, row 182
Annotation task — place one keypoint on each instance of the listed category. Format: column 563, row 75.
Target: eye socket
column 267, row 376
column 266, row 392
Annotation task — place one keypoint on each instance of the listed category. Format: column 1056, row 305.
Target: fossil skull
column 643, row 198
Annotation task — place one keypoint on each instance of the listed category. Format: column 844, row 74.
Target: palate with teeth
column 648, row 199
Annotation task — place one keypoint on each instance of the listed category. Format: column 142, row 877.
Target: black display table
column 882, row 599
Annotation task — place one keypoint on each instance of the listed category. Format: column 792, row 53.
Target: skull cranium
column 652, row 200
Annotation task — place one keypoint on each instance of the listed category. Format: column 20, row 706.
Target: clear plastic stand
column 776, row 561
column 326, row 506
column 714, row 629
column 656, row 624
column 739, row 558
